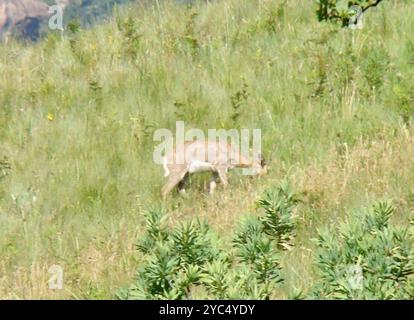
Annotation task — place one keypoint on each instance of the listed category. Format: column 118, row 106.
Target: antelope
column 206, row 155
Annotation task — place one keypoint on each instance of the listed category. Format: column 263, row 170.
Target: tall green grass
column 77, row 114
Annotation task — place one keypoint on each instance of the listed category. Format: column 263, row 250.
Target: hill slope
column 78, row 112
column 27, row 19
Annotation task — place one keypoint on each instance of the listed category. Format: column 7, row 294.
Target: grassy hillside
column 90, row 11
column 77, row 115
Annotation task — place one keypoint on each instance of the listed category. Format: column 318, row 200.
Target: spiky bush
column 366, row 258
column 278, row 222
column 188, row 259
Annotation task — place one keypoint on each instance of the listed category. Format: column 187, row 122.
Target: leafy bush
column 238, row 100
column 366, row 258
column 191, row 260
column 131, row 36
column 190, row 35
column 341, row 10
column 403, row 95
column 277, row 221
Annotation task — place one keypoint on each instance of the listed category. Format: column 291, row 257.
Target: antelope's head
column 258, row 166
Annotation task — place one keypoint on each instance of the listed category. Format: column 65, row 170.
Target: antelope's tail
column 167, row 171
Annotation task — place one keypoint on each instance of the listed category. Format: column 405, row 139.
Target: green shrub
column 341, row 10
column 131, row 37
column 366, row 258
column 278, row 222
column 238, row 100
column 192, row 261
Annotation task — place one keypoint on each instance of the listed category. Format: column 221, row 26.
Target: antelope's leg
column 222, row 172
column 183, row 183
column 173, row 181
column 213, row 182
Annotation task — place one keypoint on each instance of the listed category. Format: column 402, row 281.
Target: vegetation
column 383, row 254
column 364, row 258
column 88, row 12
column 77, row 115
column 343, row 10
column 189, row 262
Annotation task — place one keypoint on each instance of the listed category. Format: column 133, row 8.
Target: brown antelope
column 202, row 156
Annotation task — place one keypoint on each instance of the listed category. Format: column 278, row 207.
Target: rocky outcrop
column 23, row 17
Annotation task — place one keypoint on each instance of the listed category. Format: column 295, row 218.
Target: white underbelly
column 199, row 166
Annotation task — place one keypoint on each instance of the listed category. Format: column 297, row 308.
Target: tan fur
column 195, row 158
